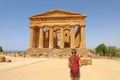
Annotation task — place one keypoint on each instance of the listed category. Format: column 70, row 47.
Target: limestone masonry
column 57, row 29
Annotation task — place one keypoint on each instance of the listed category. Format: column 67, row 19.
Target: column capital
column 47, row 28
column 51, row 25
column 56, row 27
column 31, row 27
column 61, row 26
column 40, row 26
column 82, row 25
column 72, row 25
column 34, row 26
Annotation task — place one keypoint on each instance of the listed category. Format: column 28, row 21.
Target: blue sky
column 102, row 22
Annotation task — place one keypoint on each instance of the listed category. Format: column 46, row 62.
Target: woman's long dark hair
column 73, row 57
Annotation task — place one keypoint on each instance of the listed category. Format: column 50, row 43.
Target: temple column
column 55, row 39
column 51, row 38
column 72, row 44
column 79, row 37
column 47, row 38
column 41, row 37
column 47, row 35
column 83, row 41
column 61, row 38
column 31, row 45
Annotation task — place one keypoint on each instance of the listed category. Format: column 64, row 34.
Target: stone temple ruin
column 57, row 31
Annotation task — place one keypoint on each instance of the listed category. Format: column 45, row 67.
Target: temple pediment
column 57, row 13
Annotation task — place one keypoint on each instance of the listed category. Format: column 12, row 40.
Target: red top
column 77, row 59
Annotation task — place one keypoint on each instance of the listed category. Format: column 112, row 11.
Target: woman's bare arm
column 69, row 64
column 80, row 63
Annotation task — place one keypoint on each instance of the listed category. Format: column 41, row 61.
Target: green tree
column 1, row 49
column 117, row 54
column 101, row 49
column 111, row 51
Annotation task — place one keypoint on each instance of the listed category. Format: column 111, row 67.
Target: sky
column 102, row 21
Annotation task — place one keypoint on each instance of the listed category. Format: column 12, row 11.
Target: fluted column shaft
column 83, row 40
column 31, row 45
column 47, row 38
column 72, row 37
column 41, row 37
column 51, row 38
column 79, row 37
column 61, row 38
column 55, row 39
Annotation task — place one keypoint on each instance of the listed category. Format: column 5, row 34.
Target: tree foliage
column 104, row 50
column 1, row 49
column 111, row 50
column 101, row 49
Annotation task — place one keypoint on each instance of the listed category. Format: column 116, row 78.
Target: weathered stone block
column 2, row 58
column 83, row 62
column 8, row 60
column 89, row 61
column 86, row 62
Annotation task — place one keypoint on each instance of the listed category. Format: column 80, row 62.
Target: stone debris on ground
column 4, row 59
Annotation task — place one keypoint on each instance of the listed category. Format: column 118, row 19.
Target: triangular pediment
column 57, row 13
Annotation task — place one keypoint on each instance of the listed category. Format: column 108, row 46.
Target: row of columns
column 72, row 43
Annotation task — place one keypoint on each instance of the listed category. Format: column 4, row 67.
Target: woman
column 74, row 64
